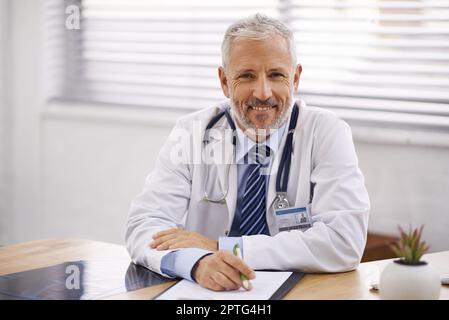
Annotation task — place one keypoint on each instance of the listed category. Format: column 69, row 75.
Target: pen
column 244, row 279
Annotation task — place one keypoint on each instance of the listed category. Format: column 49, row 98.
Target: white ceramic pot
column 400, row 281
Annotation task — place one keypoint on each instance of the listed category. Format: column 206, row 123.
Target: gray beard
column 246, row 123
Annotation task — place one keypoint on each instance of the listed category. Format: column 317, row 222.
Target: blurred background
column 90, row 89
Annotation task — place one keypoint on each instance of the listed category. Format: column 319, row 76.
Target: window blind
column 386, row 58
column 390, row 56
column 153, row 53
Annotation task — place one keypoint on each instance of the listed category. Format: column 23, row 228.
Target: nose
column 262, row 91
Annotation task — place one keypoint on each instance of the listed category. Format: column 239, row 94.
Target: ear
column 298, row 71
column 223, row 81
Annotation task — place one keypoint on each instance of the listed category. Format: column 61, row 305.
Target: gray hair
column 256, row 27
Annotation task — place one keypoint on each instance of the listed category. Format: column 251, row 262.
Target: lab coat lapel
column 223, row 151
column 271, row 195
column 273, row 172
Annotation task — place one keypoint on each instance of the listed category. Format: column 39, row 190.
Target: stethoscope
column 280, row 200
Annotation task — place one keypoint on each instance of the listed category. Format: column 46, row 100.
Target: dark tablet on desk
column 78, row 280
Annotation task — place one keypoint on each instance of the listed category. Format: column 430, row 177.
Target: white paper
column 264, row 286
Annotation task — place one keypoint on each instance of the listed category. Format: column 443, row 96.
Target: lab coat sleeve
column 336, row 241
column 161, row 205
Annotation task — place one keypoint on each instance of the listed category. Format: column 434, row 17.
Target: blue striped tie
column 253, row 201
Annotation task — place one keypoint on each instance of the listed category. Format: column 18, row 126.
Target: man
column 174, row 230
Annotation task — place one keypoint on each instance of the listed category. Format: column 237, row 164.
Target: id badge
column 293, row 219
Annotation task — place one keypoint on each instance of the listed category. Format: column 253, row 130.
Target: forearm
column 333, row 247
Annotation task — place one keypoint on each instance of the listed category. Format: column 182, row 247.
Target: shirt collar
column 244, row 143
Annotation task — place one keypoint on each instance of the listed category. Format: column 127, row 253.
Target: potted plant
column 409, row 277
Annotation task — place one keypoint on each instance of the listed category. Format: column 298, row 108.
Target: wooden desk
column 349, row 285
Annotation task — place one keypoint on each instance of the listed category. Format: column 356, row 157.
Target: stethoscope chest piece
column 281, row 202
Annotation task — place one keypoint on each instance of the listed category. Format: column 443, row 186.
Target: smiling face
column 260, row 80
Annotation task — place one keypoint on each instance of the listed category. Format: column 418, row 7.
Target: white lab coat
column 323, row 154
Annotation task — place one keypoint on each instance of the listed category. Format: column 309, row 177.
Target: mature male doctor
column 280, row 159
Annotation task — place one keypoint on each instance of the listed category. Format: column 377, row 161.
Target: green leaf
column 409, row 246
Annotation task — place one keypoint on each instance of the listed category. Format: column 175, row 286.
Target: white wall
column 2, row 121
column 408, row 182
column 23, row 107
column 76, row 168
column 4, row 132
column 92, row 168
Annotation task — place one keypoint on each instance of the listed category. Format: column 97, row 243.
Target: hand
column 178, row 238
column 221, row 271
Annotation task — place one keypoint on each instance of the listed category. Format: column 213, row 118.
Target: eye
column 277, row 75
column 246, row 76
